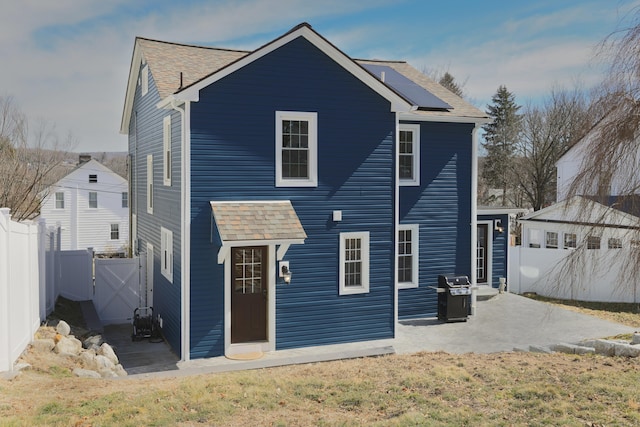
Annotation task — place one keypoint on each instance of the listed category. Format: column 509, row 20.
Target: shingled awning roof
column 274, row 221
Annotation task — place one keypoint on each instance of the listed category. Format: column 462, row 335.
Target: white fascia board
column 398, row 103
column 501, row 211
column 134, row 70
column 443, row 118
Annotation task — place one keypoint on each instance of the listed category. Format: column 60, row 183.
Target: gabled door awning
column 257, row 223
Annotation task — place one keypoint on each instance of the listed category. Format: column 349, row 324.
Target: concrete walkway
column 503, row 323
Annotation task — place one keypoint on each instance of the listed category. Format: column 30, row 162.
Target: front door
column 482, row 256
column 249, row 286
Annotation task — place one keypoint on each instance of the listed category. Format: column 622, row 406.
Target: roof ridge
column 388, row 61
column 192, row 45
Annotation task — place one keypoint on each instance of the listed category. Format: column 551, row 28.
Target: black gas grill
column 453, row 298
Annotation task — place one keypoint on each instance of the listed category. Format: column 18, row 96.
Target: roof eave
column 134, row 70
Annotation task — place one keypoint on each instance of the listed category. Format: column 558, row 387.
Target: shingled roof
column 176, row 66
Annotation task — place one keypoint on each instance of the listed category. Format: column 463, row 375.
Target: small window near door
column 354, row 263
column 408, row 256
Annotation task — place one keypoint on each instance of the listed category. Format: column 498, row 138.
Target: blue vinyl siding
column 500, row 248
column 145, row 137
column 441, row 205
column 233, row 158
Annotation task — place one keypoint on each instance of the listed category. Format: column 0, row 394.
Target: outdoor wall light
column 284, row 272
column 499, row 227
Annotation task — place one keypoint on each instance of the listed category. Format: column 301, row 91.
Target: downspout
column 185, row 228
column 396, row 222
column 474, row 216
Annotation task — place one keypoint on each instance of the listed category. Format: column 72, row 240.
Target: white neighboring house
column 91, row 204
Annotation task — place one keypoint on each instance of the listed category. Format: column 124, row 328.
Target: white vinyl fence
column 583, row 275
column 20, row 292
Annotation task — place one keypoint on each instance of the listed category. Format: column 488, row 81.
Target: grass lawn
column 503, row 389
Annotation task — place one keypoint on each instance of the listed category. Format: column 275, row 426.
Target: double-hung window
column 59, row 200
column 93, row 199
column 115, row 232
column 125, row 199
column 570, row 240
column 409, row 154
column 593, row 242
column 408, row 256
column 296, row 149
column 354, row 263
column 551, row 241
column 166, row 253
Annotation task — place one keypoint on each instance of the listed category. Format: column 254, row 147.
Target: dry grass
column 507, row 389
column 421, row 389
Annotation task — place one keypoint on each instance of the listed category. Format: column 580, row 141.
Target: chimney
column 83, row 158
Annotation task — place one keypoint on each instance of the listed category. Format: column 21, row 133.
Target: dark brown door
column 249, row 294
column 482, row 257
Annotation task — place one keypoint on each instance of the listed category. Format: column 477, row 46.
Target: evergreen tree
column 501, row 137
column 449, row 82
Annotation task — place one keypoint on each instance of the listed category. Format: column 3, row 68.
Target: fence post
column 42, row 267
column 5, row 265
column 34, row 278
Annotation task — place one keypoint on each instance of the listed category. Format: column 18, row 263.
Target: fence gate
column 118, row 289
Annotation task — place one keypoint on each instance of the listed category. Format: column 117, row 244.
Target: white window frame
column 166, row 151
column 364, row 259
column 564, row 240
column 547, row 234
column 415, row 130
column 115, row 228
column 59, row 199
column 150, row 183
column 614, row 243
column 144, row 80
column 166, row 253
column 312, row 119
column 415, row 253
column 125, row 199
column 89, row 200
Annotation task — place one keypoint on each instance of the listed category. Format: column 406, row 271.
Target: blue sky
column 67, row 61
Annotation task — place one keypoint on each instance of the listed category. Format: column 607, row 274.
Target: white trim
column 415, row 130
column 364, row 259
column 489, row 254
column 185, row 230
column 396, row 224
column 166, row 150
column 150, row 183
column 398, row 103
column 166, row 253
column 312, row 119
column 263, row 346
column 149, row 279
column 415, row 253
column 420, row 117
column 474, row 213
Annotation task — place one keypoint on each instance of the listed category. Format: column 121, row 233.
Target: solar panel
column 407, row 88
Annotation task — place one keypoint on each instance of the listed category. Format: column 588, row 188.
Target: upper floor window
column 408, row 256
column 296, row 149
column 93, row 199
column 125, row 199
column 144, row 80
column 59, row 200
column 93, row 178
column 409, row 154
column 551, row 240
column 166, row 142
column 354, row 263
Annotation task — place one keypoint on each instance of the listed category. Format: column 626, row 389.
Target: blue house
column 292, row 196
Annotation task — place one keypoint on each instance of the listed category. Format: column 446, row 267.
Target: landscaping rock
column 564, row 348
column 580, row 349
column 120, row 371
column 636, row 338
column 106, row 351
column 626, row 350
column 540, row 349
column 63, row 328
column 68, row 345
column 21, row 366
column 605, row 347
column 93, row 343
column 105, row 366
column 43, row 344
column 86, row 373
column 88, row 359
